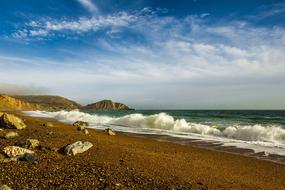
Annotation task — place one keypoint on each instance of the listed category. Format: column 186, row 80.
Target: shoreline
column 213, row 146
column 129, row 162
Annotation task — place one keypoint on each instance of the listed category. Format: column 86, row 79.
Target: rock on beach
column 77, row 148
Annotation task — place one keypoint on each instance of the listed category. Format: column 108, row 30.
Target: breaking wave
column 162, row 121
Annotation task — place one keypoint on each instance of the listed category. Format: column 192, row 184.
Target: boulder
column 48, row 124
column 11, row 122
column 29, row 143
column 11, row 135
column 80, row 123
column 5, row 187
column 77, row 148
column 110, row 131
column 16, row 151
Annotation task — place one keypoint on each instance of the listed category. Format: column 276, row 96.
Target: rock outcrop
column 107, row 105
column 77, row 148
column 51, row 102
column 11, row 121
column 10, row 103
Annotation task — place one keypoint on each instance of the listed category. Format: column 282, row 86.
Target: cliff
column 10, row 103
column 51, row 102
column 107, row 105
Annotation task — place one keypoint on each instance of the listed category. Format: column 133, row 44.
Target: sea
column 261, row 131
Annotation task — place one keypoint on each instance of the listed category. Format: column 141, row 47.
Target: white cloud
column 89, row 5
column 39, row 32
column 83, row 24
column 176, row 58
column 204, row 15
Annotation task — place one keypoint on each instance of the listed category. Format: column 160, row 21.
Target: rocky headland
column 53, row 103
column 107, row 105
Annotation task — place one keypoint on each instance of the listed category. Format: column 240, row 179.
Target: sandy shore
column 126, row 162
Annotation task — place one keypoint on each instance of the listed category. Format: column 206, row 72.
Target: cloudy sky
column 199, row 54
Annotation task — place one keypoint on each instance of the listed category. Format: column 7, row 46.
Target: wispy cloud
column 176, row 56
column 269, row 11
column 89, row 5
column 82, row 25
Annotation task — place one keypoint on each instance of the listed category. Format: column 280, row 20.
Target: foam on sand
column 162, row 123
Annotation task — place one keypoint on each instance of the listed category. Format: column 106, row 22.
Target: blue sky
column 199, row 54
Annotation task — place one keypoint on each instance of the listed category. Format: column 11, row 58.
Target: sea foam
column 162, row 121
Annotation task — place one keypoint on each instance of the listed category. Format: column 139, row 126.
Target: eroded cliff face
column 10, row 103
column 107, row 105
column 51, row 102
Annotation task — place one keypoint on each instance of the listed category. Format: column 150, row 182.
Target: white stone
column 14, row 151
column 11, row 134
column 77, row 148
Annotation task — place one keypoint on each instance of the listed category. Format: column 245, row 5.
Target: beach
column 127, row 162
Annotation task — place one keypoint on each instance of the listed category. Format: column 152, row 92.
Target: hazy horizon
column 198, row 54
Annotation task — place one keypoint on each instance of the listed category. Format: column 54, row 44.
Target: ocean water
column 261, row 131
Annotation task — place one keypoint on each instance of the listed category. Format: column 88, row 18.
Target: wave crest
column 164, row 121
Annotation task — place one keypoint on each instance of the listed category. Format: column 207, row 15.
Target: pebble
column 110, row 131
column 48, row 124
column 85, row 131
column 11, row 135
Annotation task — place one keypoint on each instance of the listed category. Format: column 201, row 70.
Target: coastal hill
column 107, row 105
column 10, row 103
column 51, row 102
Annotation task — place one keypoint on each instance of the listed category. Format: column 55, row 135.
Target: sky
column 149, row 54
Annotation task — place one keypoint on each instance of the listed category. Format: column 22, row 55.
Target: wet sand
column 215, row 145
column 128, row 162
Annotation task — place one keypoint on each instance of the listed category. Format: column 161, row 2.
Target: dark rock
column 80, row 123
column 29, row 143
column 22, row 144
column 44, row 148
column 28, row 157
